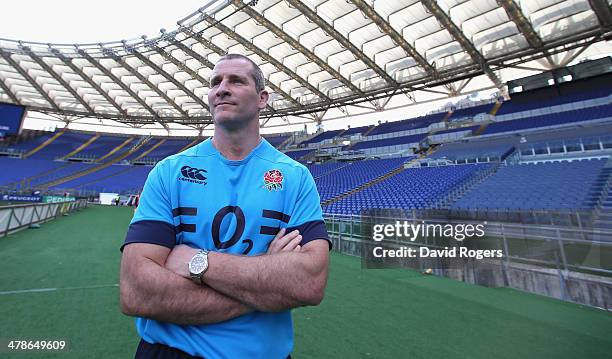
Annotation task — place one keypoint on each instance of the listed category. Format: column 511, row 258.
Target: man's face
column 233, row 98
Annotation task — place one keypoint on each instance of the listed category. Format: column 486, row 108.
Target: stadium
column 424, row 124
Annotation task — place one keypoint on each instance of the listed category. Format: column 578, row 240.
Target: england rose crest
column 273, row 180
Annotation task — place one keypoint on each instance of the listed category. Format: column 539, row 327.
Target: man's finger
column 279, row 243
column 280, row 233
column 292, row 244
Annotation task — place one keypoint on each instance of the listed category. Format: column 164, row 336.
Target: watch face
column 197, row 264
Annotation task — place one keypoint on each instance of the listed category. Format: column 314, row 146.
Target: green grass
column 365, row 314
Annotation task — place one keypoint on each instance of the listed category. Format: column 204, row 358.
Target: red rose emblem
column 273, row 180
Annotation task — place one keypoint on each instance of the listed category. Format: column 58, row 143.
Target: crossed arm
column 154, row 281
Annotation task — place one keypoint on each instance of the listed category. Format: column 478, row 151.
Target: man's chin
column 230, row 123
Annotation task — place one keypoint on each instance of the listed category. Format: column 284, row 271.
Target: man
column 227, row 238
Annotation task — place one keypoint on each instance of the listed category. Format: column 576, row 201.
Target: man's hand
column 285, row 242
column 178, row 260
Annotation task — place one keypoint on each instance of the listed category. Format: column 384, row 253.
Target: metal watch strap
column 197, row 278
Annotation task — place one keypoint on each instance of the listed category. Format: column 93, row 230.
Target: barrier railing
column 569, row 248
column 566, row 262
column 16, row 217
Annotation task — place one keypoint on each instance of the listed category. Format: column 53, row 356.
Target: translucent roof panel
column 315, row 54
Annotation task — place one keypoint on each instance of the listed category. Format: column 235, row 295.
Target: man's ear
column 263, row 99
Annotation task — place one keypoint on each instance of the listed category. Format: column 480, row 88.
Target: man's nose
column 223, row 89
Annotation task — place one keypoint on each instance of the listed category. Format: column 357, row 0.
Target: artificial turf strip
column 81, row 250
column 403, row 314
column 365, row 314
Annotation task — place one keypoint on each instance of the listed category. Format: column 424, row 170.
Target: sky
column 70, row 21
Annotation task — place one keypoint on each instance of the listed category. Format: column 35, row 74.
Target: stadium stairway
column 112, row 161
column 374, row 181
column 484, row 126
column 81, row 147
column 285, row 142
column 100, row 179
column 308, row 138
column 333, row 170
column 480, row 129
column 477, row 178
column 341, row 133
column 447, row 116
column 25, row 183
column 367, row 132
column 114, row 150
column 190, row 144
column 159, row 143
column 602, row 197
column 44, row 144
column 495, row 108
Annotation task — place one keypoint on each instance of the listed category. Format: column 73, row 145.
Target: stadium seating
column 297, row 155
column 322, row 137
column 318, row 170
column 63, row 145
column 553, row 119
column 389, row 141
column 409, row 124
column 491, row 149
column 166, row 149
column 20, row 169
column 355, row 130
column 276, row 140
column 102, row 146
column 409, row 189
column 31, row 144
column 354, row 175
column 469, row 112
column 560, row 185
column 64, row 169
column 516, row 106
column 114, row 179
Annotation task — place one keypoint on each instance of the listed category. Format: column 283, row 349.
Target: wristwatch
column 198, row 265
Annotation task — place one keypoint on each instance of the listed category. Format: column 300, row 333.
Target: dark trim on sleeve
column 312, row 231
column 154, row 232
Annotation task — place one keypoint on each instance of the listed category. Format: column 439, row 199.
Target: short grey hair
column 258, row 76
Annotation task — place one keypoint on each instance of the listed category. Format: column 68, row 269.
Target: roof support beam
column 170, row 78
column 433, row 7
column 515, row 14
column 603, row 12
column 296, row 45
column 220, row 51
column 8, row 91
column 7, row 57
column 91, row 82
column 118, row 81
column 330, row 30
column 58, row 78
column 398, row 39
column 183, row 67
column 145, row 80
column 259, row 52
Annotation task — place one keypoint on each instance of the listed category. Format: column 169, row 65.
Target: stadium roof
column 316, row 55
